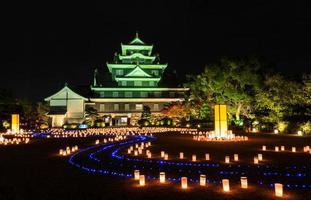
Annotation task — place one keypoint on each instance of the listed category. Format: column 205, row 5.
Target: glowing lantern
column 236, row 157
column 293, row 149
column 15, row 123
column 194, row 158
column 162, row 177
column 225, row 185
column 255, row 160
column 149, row 155
column 264, row 148
column 135, row 153
column 260, row 157
column 166, row 156
column 276, row 148
column 136, row 174
column 203, row 180
column 181, row 155
column 207, row 157
column 227, row 159
column 129, row 151
column 221, row 125
column 142, row 180
column 244, row 184
column 299, row 133
column 140, row 151
column 184, row 183
column 162, row 154
column 278, row 188
column 60, row 152
column 282, row 148
column 276, row 131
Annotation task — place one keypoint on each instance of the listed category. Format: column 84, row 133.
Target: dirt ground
column 35, row 171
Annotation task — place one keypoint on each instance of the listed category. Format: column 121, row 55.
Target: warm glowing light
column 162, row 154
column 260, row 157
column 276, row 131
column 162, row 177
column 255, row 160
column 236, row 157
column 244, row 184
column 207, row 156
column 276, row 148
column 181, row 155
column 166, row 156
column 282, row 148
column 278, row 188
column 184, row 183
column 203, row 180
column 227, row 159
column 299, row 133
column 142, row 180
column 135, row 153
column 194, row 158
column 221, row 126
column 15, row 123
column 293, row 149
column 264, row 148
column 225, row 185
column 136, row 174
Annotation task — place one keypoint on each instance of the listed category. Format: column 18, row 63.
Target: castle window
column 101, row 107
column 137, row 83
column 119, row 72
column 128, row 94
column 115, row 107
column 155, row 72
column 126, row 106
column 143, row 94
column 139, row 107
column 115, row 94
column 156, row 107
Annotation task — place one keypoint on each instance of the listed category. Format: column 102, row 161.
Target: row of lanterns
column 202, row 182
column 282, row 148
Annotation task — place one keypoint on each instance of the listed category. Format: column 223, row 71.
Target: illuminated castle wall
column 136, row 72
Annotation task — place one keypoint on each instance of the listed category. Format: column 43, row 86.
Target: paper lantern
column 129, row 151
column 276, row 148
column 184, row 183
column 162, row 177
column 220, row 120
column 299, row 133
column 260, row 157
column 162, row 154
column 236, row 157
column 255, row 160
column 227, row 159
column 282, row 148
column 225, row 185
column 207, row 156
column 149, row 155
column 142, row 180
column 278, row 188
column 181, row 155
column 276, row 131
column 264, row 148
column 244, row 184
column 166, row 156
column 135, row 153
column 194, row 158
column 60, row 152
column 293, row 149
column 136, row 174
column 203, row 180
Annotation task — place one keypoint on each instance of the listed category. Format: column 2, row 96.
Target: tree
column 91, row 115
column 176, row 110
column 231, row 81
column 146, row 113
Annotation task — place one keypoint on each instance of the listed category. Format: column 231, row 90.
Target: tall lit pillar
column 15, row 123
column 221, row 125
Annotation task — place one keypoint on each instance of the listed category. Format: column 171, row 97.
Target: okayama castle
column 136, row 73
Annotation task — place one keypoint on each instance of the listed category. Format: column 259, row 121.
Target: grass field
column 35, row 171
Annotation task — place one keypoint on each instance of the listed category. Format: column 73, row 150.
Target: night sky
column 46, row 45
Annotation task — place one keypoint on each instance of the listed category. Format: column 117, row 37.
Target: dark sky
column 46, row 45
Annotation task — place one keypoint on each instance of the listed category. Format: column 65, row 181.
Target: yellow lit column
column 221, row 126
column 15, row 123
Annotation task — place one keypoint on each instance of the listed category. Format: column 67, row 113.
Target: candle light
column 260, row 157
column 181, row 155
column 282, row 148
column 136, row 174
column 184, row 184
column 264, row 148
column 142, row 180
column 135, row 153
column 60, row 152
column 255, row 160
column 299, row 133
column 162, row 177
column 293, row 149
column 162, row 154
column 149, row 155
column 276, row 148
column 202, row 180
column 166, row 156
column 227, row 159
column 225, row 185
column 278, row 188
column 129, row 151
column 194, row 158
column 244, row 184
column 236, row 157
column 207, row 156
